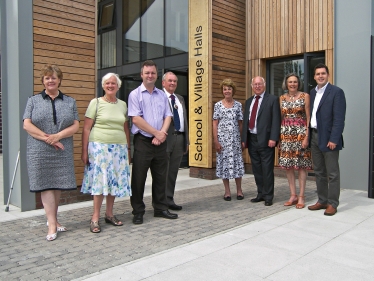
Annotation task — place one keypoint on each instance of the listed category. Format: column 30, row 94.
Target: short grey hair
column 108, row 76
column 263, row 80
column 166, row 74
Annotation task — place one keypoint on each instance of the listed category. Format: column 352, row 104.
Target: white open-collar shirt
column 180, row 109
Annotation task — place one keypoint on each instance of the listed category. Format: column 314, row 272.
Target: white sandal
column 60, row 228
column 51, row 237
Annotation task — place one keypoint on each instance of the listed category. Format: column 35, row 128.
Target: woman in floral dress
column 106, row 151
column 227, row 125
column 294, row 153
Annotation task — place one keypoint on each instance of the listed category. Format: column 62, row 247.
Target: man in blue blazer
column 260, row 133
column 177, row 138
column 328, row 107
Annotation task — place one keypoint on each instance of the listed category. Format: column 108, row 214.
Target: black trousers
column 147, row 155
column 262, row 159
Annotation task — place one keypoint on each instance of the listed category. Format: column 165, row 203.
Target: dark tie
column 177, row 122
column 252, row 120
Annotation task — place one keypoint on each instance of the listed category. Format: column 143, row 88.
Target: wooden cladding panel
column 64, row 34
column 278, row 28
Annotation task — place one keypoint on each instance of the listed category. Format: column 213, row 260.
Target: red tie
column 252, row 120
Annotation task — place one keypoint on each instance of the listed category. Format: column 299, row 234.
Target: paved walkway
column 212, row 240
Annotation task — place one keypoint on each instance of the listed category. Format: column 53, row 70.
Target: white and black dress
column 48, row 168
column 229, row 163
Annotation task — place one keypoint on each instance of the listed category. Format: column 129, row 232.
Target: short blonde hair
column 110, row 75
column 228, row 83
column 50, row 69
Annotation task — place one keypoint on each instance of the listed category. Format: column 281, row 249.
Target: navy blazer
column 268, row 120
column 172, row 129
column 330, row 117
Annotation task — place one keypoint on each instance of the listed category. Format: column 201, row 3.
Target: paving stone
column 26, row 255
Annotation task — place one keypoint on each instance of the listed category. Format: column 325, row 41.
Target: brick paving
column 26, row 255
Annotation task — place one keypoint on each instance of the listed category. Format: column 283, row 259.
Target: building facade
column 202, row 42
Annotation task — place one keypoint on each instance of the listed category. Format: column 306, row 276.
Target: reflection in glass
column 176, row 25
column 131, row 30
column 106, row 18
column 312, row 62
column 152, row 29
column 278, row 70
column 108, row 49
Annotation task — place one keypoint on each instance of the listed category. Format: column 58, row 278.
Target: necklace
column 228, row 104
column 292, row 97
column 112, row 102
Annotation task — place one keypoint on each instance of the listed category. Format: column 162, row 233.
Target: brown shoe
column 330, row 211
column 317, row 206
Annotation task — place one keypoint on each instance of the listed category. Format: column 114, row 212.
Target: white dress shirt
column 254, row 130
column 319, row 94
column 180, row 109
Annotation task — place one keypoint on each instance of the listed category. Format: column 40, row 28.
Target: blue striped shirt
column 152, row 107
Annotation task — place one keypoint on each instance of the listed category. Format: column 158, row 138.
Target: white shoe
column 60, row 228
column 51, row 237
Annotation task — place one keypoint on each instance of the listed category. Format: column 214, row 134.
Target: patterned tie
column 177, row 122
column 252, row 120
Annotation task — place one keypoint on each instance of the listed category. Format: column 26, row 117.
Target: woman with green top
column 106, row 151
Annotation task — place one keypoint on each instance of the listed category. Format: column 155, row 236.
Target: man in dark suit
column 261, row 128
column 328, row 107
column 177, row 138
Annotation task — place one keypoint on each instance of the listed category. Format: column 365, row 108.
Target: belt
column 314, row 130
column 178, row 133
column 143, row 136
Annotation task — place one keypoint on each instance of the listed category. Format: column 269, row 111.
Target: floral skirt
column 108, row 171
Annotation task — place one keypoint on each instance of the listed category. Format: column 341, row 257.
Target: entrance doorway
column 132, row 81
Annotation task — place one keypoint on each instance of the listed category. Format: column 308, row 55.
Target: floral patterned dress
column 229, row 163
column 292, row 134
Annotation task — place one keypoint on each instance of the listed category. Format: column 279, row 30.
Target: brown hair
column 49, row 69
column 148, row 63
column 321, row 65
column 228, row 83
column 299, row 82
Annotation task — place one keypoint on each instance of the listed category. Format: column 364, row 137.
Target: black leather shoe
column 268, row 202
column 165, row 214
column 240, row 197
column 137, row 219
column 175, row 207
column 257, row 199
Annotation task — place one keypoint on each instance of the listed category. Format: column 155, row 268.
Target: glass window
column 176, row 27
column 302, row 66
column 106, row 15
column 312, row 61
column 108, row 49
column 279, row 69
column 131, row 31
column 152, row 29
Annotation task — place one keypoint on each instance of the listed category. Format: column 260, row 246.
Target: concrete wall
column 17, row 86
column 353, row 28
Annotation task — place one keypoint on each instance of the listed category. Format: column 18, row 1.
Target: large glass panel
column 176, row 25
column 108, row 49
column 152, row 29
column 278, row 71
column 312, row 62
column 131, row 30
column 99, row 51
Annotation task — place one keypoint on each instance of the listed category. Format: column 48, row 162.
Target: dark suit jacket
column 268, row 120
column 330, row 117
column 172, row 129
